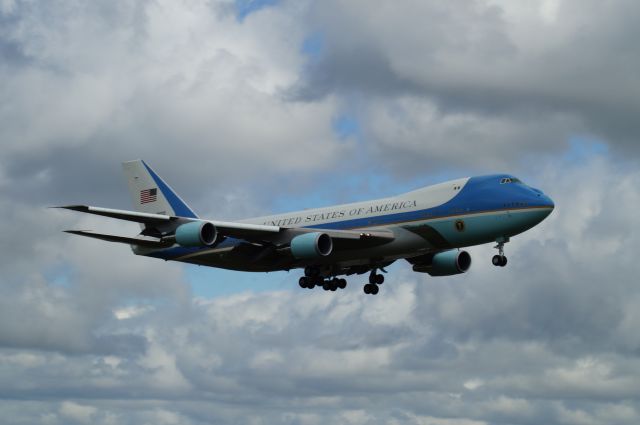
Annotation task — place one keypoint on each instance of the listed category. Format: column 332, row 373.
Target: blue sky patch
column 314, row 45
column 246, row 7
column 582, row 148
column 346, row 126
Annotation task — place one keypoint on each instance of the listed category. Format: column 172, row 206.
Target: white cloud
column 130, row 312
column 77, row 412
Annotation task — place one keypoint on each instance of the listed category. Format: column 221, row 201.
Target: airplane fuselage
column 455, row 214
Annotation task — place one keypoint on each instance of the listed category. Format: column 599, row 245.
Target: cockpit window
column 506, row 180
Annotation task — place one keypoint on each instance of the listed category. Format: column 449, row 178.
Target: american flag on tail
column 148, row 195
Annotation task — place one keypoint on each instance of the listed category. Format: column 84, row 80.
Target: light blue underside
column 487, row 227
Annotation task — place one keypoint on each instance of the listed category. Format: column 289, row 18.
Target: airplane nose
column 548, row 205
column 545, row 206
column 539, row 198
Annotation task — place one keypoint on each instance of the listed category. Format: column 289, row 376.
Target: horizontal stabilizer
column 137, row 217
column 234, row 230
column 149, row 243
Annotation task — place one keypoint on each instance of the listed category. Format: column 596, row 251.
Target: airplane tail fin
column 150, row 194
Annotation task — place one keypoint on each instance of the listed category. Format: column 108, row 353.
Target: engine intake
column 446, row 263
column 196, row 233
column 311, row 245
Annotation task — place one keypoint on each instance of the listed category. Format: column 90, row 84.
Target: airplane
column 426, row 227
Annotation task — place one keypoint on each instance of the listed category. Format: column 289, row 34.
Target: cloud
column 159, row 80
column 566, row 64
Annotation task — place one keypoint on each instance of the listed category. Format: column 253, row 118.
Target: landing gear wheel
column 326, row 286
column 371, row 288
column 334, row 284
column 303, row 282
column 499, row 260
column 342, row 283
column 379, row 280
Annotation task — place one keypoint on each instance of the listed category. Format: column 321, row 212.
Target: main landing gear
column 374, row 280
column 500, row 260
column 310, row 282
column 313, row 278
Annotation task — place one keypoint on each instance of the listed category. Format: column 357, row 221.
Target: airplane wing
column 253, row 233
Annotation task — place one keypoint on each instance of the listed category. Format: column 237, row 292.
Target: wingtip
column 78, row 232
column 72, row 207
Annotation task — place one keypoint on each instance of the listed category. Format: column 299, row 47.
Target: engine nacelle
column 311, row 245
column 196, row 233
column 445, row 263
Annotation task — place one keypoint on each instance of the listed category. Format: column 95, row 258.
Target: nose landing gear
column 374, row 281
column 500, row 260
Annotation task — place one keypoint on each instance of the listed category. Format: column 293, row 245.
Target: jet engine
column 311, row 245
column 444, row 263
column 196, row 233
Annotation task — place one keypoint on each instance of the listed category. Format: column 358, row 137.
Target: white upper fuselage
column 420, row 199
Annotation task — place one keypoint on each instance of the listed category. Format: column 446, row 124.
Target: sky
column 251, row 107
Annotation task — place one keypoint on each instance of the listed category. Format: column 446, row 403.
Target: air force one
column 427, row 227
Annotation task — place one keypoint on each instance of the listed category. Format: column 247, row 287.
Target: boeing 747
column 426, row 227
